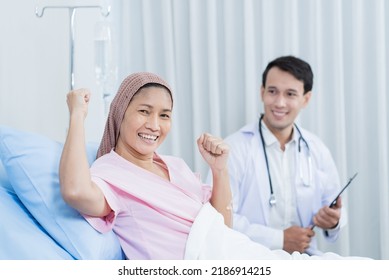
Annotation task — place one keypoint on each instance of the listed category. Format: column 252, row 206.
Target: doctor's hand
column 214, row 151
column 297, row 239
column 78, row 101
column 328, row 218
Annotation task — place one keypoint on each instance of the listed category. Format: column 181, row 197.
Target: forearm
column 74, row 171
column 221, row 198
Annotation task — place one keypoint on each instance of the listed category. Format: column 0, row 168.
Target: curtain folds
column 213, row 53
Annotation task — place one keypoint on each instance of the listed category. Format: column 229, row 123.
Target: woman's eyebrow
column 151, row 107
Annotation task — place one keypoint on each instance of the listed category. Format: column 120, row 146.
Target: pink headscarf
column 129, row 87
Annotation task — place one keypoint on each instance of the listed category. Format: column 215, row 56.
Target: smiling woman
column 131, row 189
column 145, row 125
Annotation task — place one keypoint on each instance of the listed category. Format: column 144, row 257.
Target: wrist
column 217, row 173
column 77, row 115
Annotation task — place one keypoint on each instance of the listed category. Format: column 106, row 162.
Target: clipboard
column 344, row 188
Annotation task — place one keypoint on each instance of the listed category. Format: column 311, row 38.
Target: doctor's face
column 283, row 98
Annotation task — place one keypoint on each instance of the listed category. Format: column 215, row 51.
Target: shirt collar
column 270, row 139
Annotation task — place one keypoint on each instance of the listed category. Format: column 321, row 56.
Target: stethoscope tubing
column 272, row 199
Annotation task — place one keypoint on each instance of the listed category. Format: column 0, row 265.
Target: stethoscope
column 272, row 200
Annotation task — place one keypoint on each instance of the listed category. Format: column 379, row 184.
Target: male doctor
column 283, row 177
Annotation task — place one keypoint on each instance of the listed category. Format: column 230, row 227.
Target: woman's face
column 146, row 122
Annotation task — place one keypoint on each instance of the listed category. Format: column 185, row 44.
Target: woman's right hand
column 78, row 101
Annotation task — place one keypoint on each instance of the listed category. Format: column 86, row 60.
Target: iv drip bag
column 105, row 58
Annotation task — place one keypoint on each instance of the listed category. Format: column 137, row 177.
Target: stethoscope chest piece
column 272, row 200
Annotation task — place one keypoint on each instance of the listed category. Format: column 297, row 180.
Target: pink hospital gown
column 151, row 216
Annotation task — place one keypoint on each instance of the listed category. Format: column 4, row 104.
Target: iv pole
column 72, row 11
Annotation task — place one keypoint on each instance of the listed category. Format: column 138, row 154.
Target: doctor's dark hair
column 297, row 67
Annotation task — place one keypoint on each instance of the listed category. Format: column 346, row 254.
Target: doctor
column 283, row 177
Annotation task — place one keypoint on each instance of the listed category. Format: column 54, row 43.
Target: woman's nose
column 152, row 122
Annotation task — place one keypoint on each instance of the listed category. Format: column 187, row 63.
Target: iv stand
column 72, row 12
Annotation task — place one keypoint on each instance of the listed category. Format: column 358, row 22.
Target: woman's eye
column 165, row 116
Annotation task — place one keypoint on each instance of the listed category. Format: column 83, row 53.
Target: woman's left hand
column 214, row 151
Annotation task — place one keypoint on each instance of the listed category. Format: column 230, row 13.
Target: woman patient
column 155, row 204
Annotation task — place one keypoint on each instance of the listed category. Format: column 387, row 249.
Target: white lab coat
column 251, row 190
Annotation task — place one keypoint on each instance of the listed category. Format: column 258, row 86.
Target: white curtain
column 213, row 53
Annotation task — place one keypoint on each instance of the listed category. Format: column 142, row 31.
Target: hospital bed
column 35, row 221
